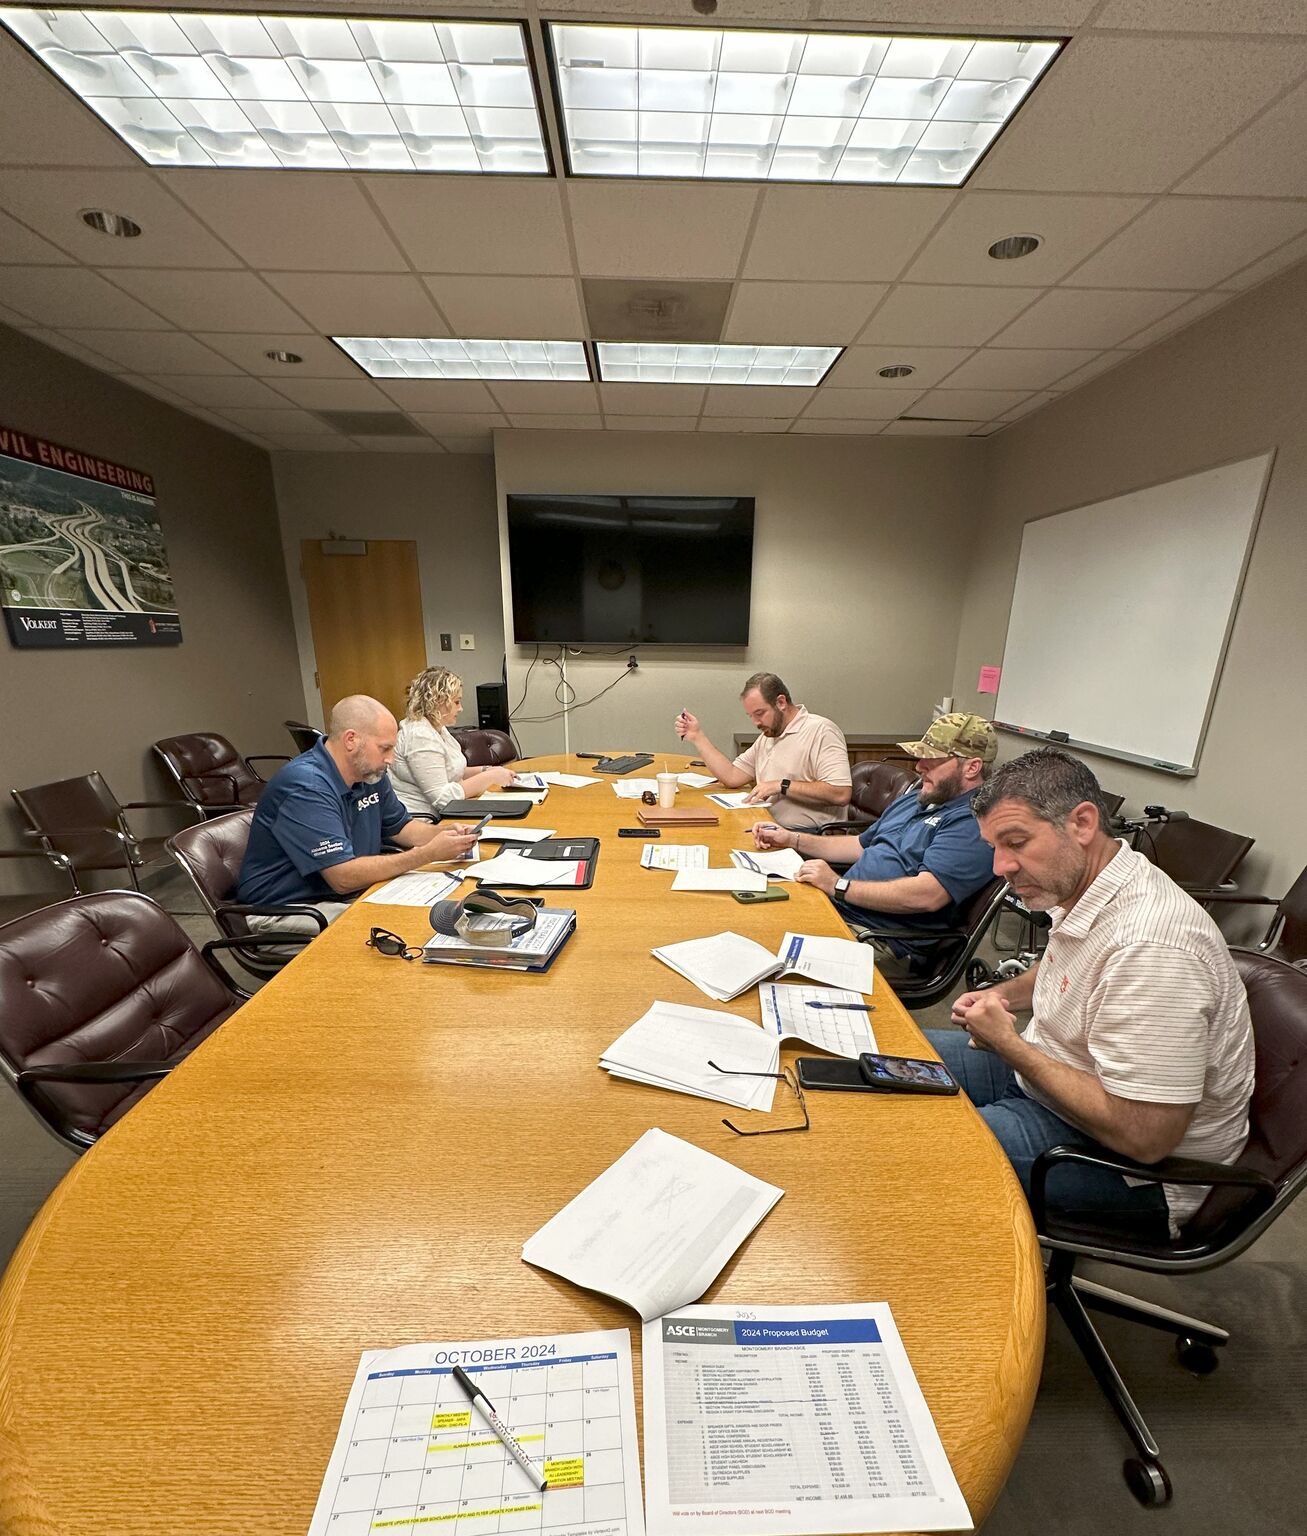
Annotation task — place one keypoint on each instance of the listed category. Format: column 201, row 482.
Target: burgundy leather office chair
column 1246, row 1197
column 80, row 827
column 211, row 855
column 875, row 785
column 484, row 748
column 211, row 773
column 100, row 996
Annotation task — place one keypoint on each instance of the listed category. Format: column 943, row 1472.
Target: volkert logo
column 38, row 623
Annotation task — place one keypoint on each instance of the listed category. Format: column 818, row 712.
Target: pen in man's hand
column 481, row 1401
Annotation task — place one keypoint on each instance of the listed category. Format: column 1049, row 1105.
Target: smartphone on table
column 874, row 1073
column 772, row 893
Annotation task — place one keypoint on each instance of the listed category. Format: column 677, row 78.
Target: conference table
column 355, row 1158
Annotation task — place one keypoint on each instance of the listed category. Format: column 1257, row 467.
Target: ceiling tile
column 154, row 352
column 528, row 396
column 988, row 15
column 931, row 315
column 651, row 423
column 450, row 395
column 567, row 423
column 969, row 404
column 1030, row 406
column 1178, row 319
column 475, row 224
column 841, row 233
column 650, row 399
column 775, row 424
column 295, row 221
column 331, row 394
column 1172, row 101
column 931, row 428
column 480, row 445
column 649, row 229
column 50, row 201
column 399, row 444
column 321, row 360
column 859, row 367
column 65, row 344
column 1203, row 15
column 1092, row 369
column 68, row 297
column 19, row 246
column 471, row 425
column 1016, row 368
column 800, row 314
column 1069, row 227
column 775, row 400
column 43, row 123
column 223, row 390
column 1268, row 159
column 1087, row 317
column 350, row 304
column 810, row 424
column 211, row 301
column 510, row 308
column 312, row 442
column 1185, row 242
column 1289, row 253
column 280, row 421
column 873, row 404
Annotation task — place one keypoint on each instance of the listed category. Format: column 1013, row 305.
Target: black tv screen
column 631, row 570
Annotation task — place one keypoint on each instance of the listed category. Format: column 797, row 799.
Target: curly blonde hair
column 431, row 692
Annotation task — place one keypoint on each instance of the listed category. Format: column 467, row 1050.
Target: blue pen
column 846, row 1007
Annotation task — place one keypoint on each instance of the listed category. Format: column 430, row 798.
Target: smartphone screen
column 907, row 1074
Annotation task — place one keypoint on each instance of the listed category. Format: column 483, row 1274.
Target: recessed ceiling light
column 1012, row 246
column 116, row 224
column 410, row 357
column 785, row 106
column 283, row 357
column 648, row 362
column 310, row 92
column 896, row 371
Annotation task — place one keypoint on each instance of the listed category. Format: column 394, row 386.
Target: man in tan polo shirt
column 799, row 763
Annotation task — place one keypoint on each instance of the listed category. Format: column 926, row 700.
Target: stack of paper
column 674, row 856
column 567, row 780
column 530, row 951
column 511, row 868
column 654, row 1229
column 719, row 880
column 670, row 1046
column 727, row 964
column 632, row 789
column 837, row 962
column 778, row 864
column 696, row 780
column 513, row 832
column 527, row 781
column 738, row 800
column 418, row 889
column 830, row 1018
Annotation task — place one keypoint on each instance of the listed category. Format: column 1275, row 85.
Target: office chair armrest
column 1168, row 1170
column 922, row 935
column 60, row 860
column 45, row 837
column 191, row 809
column 849, row 828
column 1234, row 898
column 246, row 909
column 250, row 941
column 268, row 757
column 94, row 1072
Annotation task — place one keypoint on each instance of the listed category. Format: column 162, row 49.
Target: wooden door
column 365, row 612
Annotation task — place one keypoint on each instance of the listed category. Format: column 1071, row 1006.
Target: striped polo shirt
column 1137, row 986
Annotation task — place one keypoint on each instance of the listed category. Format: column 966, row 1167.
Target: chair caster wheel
column 978, row 976
column 1148, row 1482
column 1197, row 1357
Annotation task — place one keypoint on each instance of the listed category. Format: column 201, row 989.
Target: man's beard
column 944, row 791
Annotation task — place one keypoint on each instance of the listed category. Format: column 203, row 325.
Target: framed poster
column 82, row 560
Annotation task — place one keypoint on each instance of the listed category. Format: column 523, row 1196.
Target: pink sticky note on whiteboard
column 989, row 677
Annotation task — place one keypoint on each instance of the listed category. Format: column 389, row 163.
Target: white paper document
column 837, row 962
column 632, row 789
column 732, row 879
column 510, row 868
column 674, row 856
column 567, row 780
column 723, row 965
column 413, row 1455
column 695, row 780
column 418, row 889
column 670, row 1046
column 828, row 1017
column 776, row 863
column 655, row 1228
column 527, row 781
column 513, row 832
column 738, row 800
column 789, row 1421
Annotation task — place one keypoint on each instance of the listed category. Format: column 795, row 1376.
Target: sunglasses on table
column 387, row 943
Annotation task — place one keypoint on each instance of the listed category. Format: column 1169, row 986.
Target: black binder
column 474, row 810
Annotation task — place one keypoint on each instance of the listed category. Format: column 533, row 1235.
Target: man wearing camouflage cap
column 923, row 858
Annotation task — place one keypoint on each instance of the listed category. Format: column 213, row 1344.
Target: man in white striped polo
column 1140, row 1038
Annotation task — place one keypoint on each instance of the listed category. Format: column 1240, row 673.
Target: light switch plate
column 446, row 640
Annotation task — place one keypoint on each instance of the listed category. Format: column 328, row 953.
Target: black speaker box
column 492, row 706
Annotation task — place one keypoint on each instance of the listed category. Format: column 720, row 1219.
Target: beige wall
column 446, row 503
column 68, row 712
column 854, row 543
column 1231, row 386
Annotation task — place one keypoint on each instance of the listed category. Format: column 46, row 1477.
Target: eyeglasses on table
column 785, row 1076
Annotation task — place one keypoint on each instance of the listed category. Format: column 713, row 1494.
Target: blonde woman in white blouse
column 430, row 769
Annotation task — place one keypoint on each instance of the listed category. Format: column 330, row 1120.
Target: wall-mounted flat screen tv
column 631, row 570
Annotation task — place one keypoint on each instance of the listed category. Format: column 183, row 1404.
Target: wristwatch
column 785, row 787
column 842, row 886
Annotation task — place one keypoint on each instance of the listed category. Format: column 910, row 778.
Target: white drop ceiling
column 1162, row 160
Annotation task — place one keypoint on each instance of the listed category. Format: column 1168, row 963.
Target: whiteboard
column 1122, row 612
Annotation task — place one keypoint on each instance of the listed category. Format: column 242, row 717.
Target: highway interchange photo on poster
column 82, row 560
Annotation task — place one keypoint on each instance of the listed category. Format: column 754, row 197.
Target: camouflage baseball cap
column 956, row 736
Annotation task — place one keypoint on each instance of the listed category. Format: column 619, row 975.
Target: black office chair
column 304, row 736
column 1286, row 935
column 1194, row 853
column 1245, row 1199
column 951, row 951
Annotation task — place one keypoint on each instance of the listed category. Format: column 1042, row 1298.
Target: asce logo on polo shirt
column 373, row 799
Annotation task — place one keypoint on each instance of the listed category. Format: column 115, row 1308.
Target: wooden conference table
column 354, row 1160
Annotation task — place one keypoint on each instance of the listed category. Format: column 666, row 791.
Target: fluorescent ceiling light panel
column 311, row 93
column 416, row 357
column 648, row 362
column 786, row 106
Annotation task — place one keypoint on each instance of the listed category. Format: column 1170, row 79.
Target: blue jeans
column 1024, row 1129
